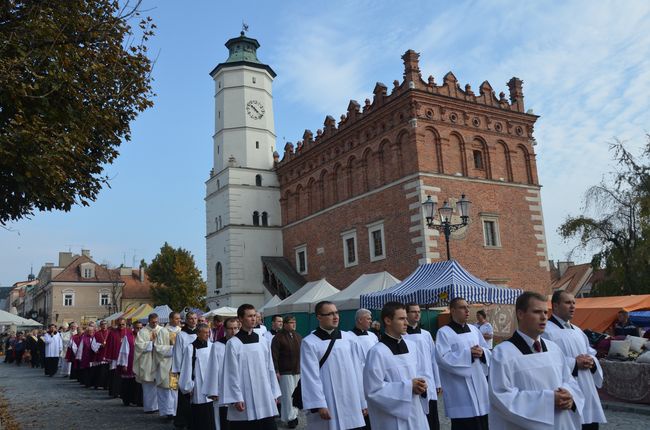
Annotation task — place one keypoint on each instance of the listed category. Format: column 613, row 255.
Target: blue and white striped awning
column 437, row 284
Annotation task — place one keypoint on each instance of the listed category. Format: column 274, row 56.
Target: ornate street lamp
column 445, row 225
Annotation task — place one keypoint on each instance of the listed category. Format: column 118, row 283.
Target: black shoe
column 293, row 423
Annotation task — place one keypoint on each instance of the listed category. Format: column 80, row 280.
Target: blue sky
column 585, row 66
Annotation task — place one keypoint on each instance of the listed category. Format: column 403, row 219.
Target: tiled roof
column 134, row 288
column 72, row 273
column 573, row 279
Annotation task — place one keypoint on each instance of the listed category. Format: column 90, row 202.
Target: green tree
column 615, row 225
column 73, row 75
column 176, row 280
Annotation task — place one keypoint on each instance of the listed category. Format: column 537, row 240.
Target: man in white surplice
column 392, row 377
column 250, row 385
column 332, row 394
column 463, row 359
column 53, row 347
column 580, row 357
column 186, row 336
column 144, row 363
column 531, row 387
column 195, row 371
column 427, row 348
column 163, row 349
column 365, row 338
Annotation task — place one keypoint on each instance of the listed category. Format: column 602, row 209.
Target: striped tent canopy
column 435, row 284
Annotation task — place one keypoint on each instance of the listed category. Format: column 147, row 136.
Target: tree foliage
column 73, row 75
column 176, row 280
column 616, row 224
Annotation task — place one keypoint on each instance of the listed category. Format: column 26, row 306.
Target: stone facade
column 374, row 167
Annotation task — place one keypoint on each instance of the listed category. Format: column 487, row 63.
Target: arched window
column 258, row 180
column 256, row 218
column 265, row 219
column 219, row 283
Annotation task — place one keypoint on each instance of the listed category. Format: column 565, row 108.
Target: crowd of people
column 237, row 374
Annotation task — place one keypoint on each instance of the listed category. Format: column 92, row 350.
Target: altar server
column 250, row 385
column 364, row 337
column 186, row 336
column 53, row 347
column 463, row 358
column 332, row 393
column 427, row 350
column 531, row 387
column 579, row 356
column 392, row 378
column 195, row 371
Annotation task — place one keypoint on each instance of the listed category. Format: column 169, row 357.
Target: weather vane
column 244, row 27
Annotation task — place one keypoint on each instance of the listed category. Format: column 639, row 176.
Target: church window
column 301, row 259
column 258, row 180
column 218, row 114
column 254, row 80
column 350, row 248
column 219, row 282
column 217, row 149
column 376, row 241
column 265, row 219
column 478, row 159
column 220, row 226
column 256, row 218
column 257, row 144
column 218, row 184
column 219, row 84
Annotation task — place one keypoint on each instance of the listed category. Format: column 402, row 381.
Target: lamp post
column 445, row 226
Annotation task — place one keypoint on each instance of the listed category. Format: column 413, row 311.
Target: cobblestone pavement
column 39, row 402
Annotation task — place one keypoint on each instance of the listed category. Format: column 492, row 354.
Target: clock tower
column 242, row 194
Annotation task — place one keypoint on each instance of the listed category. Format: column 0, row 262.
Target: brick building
column 350, row 196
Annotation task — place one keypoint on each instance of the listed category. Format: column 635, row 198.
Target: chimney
column 65, row 258
column 85, row 253
column 141, row 274
column 563, row 266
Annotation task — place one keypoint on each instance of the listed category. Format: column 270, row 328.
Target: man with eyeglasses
column 463, row 357
column 332, row 393
column 427, row 351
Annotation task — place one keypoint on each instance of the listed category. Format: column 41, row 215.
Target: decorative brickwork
column 381, row 161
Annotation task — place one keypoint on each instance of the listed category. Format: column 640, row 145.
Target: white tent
column 7, row 318
column 304, row 299
column 348, row 298
column 273, row 302
column 162, row 311
column 225, row 311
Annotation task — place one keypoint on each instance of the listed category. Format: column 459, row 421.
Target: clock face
column 255, row 109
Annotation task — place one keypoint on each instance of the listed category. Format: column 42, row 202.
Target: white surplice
column 213, row 381
column 182, row 340
column 388, row 384
column 463, row 379
column 195, row 385
column 249, row 377
column 337, row 386
column 522, row 389
column 163, row 355
column 573, row 342
column 53, row 345
column 365, row 341
column 427, row 350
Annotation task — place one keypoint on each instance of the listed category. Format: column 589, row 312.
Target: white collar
column 328, row 331
column 561, row 321
column 398, row 339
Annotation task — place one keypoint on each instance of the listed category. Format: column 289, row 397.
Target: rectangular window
column 67, row 300
column 257, row 144
column 491, row 235
column 104, row 299
column 88, row 273
column 349, row 248
column 376, row 241
column 301, row 259
column 478, row 160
